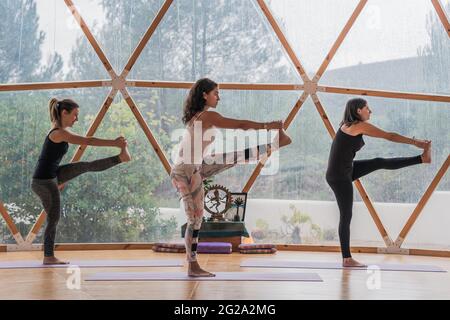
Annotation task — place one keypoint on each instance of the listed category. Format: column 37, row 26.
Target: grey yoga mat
column 220, row 276
column 267, row 263
column 21, row 264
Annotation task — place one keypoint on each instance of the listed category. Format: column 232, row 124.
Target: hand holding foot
column 350, row 262
column 426, row 155
column 54, row 260
column 120, row 142
column 194, row 270
column 124, row 154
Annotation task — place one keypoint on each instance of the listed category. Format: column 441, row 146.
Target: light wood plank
column 52, row 85
column 384, row 94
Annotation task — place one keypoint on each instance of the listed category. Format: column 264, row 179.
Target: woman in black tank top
column 49, row 175
column 342, row 169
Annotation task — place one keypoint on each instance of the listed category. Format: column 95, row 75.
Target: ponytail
column 53, row 109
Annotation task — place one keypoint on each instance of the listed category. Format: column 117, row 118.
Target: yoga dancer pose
column 192, row 167
column 49, row 174
column 342, row 170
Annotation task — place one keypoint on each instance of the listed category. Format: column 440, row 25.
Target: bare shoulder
column 354, row 129
column 209, row 117
column 362, row 127
column 59, row 135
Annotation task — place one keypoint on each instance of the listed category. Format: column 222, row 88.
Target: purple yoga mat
column 264, row 263
column 220, row 276
column 20, row 264
column 214, row 247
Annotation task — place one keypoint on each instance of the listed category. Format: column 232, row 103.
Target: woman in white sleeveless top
column 193, row 163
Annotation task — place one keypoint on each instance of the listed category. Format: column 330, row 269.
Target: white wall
column 432, row 228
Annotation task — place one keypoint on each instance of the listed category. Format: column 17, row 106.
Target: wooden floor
column 337, row 284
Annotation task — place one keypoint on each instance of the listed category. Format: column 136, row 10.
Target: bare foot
column 426, row 155
column 54, row 260
column 350, row 262
column 124, row 155
column 194, row 270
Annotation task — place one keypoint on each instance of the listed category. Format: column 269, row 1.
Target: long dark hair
column 55, row 107
column 351, row 116
column 195, row 102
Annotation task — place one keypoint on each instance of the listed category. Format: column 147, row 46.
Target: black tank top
column 342, row 152
column 51, row 155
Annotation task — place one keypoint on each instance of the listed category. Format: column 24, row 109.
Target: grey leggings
column 48, row 192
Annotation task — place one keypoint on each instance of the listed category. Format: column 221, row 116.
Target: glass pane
column 255, row 106
column 395, row 193
column 24, row 120
column 38, row 42
column 122, row 203
column 230, row 41
column 312, row 27
column 297, row 202
column 430, row 231
column 162, row 109
column 446, row 5
column 424, row 120
column 118, row 25
column 393, row 46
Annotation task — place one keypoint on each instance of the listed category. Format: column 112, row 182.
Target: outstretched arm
column 373, row 131
column 216, row 120
column 63, row 135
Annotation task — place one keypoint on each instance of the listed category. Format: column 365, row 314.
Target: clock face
column 217, row 200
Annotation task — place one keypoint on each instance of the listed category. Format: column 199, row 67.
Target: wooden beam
column 301, row 71
column 339, row 40
column 96, row 123
column 358, row 184
column 373, row 213
column 52, row 85
column 80, row 150
column 90, row 37
column 280, row 247
column 323, row 115
column 442, row 15
column 36, row 227
column 223, row 85
column 263, row 161
column 10, row 223
column 294, row 111
column 427, row 252
column 141, row 45
column 147, row 131
column 422, row 202
column 385, row 94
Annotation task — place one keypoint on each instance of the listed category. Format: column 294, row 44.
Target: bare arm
column 216, row 120
column 62, row 135
column 373, row 131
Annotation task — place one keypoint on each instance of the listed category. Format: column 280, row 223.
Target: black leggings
column 343, row 190
column 48, row 192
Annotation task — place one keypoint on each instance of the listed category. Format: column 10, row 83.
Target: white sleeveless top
column 194, row 145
